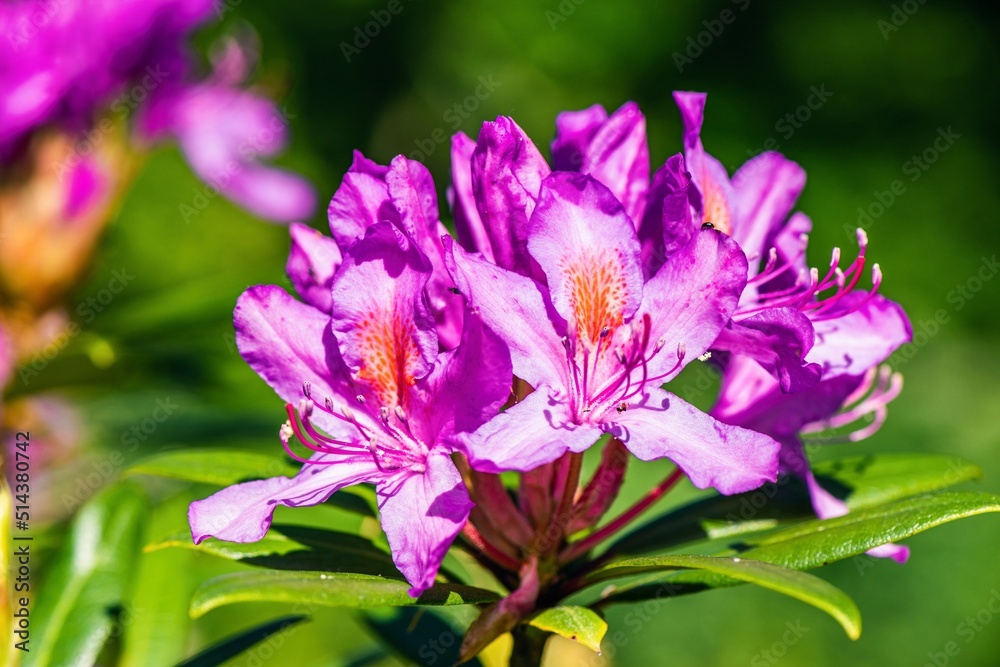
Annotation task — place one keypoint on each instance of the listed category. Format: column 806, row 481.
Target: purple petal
column 718, row 198
column 668, row 222
column 222, row 132
column 411, row 191
column 692, row 297
column 379, row 316
column 288, row 343
column 532, row 433
column 87, row 186
column 515, row 308
column 468, row 385
column 618, row 157
column 468, row 225
column 711, row 453
column 766, row 189
column 853, row 343
column 421, row 515
column 312, row 261
column 574, row 132
column 779, row 340
column 361, row 200
column 242, row 512
column 585, row 243
column 507, row 171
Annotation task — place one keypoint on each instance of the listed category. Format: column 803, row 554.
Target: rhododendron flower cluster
column 572, row 292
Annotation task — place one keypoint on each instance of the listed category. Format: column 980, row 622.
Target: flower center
column 614, row 372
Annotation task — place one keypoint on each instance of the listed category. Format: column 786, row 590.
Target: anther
column 361, row 399
column 285, row 433
column 400, row 415
column 605, row 331
column 307, row 388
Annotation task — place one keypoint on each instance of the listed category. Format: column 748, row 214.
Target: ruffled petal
column 288, row 343
column 534, row 432
column 411, row 191
column 516, row 309
column 421, row 515
column 691, row 298
column 574, row 132
column 779, row 340
column 766, row 189
column 668, row 222
column 711, row 453
column 242, row 512
column 507, row 171
column 585, row 243
column 717, row 195
column 468, row 225
column 379, row 316
column 361, row 200
column 312, row 261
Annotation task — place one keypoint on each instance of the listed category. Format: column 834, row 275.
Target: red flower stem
column 474, row 538
column 586, row 544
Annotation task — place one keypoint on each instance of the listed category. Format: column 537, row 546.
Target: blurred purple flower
column 66, row 64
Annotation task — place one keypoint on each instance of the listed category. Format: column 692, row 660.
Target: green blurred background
column 894, row 87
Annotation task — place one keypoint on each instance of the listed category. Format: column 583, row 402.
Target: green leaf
column 291, row 547
column 800, row 585
column 157, row 636
column 577, row 623
column 861, row 481
column 817, row 543
column 83, row 596
column 327, row 590
column 225, row 467
column 221, row 467
column 236, row 644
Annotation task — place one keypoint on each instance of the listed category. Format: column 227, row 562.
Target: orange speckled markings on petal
column 716, row 207
column 597, row 291
column 389, row 355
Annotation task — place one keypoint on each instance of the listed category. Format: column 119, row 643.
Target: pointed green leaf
column 817, row 543
column 236, row 644
column 291, row 547
column 800, row 585
column 577, row 623
column 225, row 467
column 862, row 481
column 221, row 467
column 327, row 590
column 83, row 596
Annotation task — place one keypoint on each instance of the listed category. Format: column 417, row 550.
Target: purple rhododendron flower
column 751, row 397
column 596, row 341
column 65, row 64
column 377, row 402
column 783, row 320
